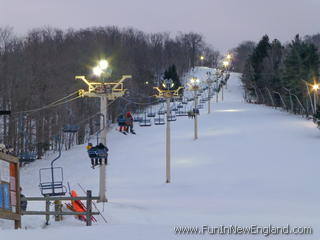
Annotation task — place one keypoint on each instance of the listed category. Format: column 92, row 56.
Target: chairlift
column 51, row 179
column 184, row 102
column 151, row 114
column 172, row 118
column 161, row 112
column 200, row 106
column 145, row 122
column 159, row 120
column 69, row 128
column 196, row 111
column 180, row 106
column 137, row 119
column 97, row 154
column 181, row 113
column 27, row 157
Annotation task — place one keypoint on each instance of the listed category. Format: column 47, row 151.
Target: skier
column 122, row 123
column 129, row 123
column 97, row 153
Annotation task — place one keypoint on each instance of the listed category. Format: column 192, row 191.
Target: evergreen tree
column 300, row 63
column 258, row 56
column 171, row 73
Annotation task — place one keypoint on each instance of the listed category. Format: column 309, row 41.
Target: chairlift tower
column 209, row 82
column 194, row 86
column 106, row 91
column 168, row 93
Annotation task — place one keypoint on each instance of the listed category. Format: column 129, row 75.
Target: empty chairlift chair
column 69, row 128
column 172, row 118
column 145, row 122
column 51, row 179
column 27, row 157
column 181, row 113
column 200, row 106
column 159, row 120
column 151, row 114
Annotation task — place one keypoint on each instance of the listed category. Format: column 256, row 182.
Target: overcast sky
column 223, row 23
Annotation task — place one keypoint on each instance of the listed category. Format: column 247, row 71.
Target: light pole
column 315, row 89
column 194, row 86
column 209, row 82
column 99, row 71
column 202, row 58
column 105, row 91
column 168, row 92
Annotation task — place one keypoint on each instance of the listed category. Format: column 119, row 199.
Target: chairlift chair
column 159, row 120
column 69, row 128
column 27, row 157
column 151, row 114
column 51, row 179
column 137, row 119
column 200, row 106
column 196, row 111
column 181, row 113
column 172, row 118
column 161, row 112
column 145, row 122
column 51, row 182
column 98, row 153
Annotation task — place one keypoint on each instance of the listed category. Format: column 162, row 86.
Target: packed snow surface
column 252, row 164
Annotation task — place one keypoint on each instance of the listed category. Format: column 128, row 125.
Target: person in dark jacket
column 97, row 154
column 23, row 203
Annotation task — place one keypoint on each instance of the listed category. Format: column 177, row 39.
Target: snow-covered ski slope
column 251, row 165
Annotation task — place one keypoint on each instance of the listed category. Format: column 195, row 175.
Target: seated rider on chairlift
column 97, row 154
column 129, row 123
column 122, row 123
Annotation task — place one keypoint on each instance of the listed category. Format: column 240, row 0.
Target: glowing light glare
column 194, row 81
column 103, row 64
column 315, row 87
column 226, row 63
column 201, row 57
column 229, row 56
column 97, row 71
column 147, row 82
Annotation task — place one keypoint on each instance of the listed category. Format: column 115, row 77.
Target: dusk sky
column 223, row 23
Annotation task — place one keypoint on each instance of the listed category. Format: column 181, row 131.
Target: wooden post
column 47, row 211
column 89, row 208
column 58, row 209
column 17, row 223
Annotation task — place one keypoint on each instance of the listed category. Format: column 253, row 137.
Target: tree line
column 280, row 74
column 40, row 68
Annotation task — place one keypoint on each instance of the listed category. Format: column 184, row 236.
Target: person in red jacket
column 129, row 123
